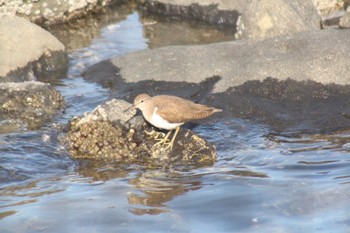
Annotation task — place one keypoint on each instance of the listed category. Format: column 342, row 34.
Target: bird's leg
column 171, row 143
column 164, row 140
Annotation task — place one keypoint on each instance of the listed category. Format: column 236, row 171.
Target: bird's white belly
column 161, row 123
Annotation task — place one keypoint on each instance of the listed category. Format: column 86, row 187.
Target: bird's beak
column 129, row 108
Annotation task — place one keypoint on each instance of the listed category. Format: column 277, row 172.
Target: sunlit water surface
column 261, row 182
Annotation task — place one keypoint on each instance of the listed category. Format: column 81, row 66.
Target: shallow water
column 262, row 181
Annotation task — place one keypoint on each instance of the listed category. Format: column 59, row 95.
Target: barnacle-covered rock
column 108, row 132
column 28, row 104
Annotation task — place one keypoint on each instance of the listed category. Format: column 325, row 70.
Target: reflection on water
column 156, row 188
column 262, row 181
column 99, row 170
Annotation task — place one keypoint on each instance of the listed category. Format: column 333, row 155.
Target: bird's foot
column 168, row 146
column 163, row 141
column 161, row 138
column 165, row 145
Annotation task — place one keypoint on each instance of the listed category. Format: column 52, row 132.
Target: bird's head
column 140, row 102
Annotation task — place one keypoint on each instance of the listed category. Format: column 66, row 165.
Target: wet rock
column 288, row 105
column 251, row 19
column 215, row 12
column 108, row 75
column 109, row 133
column 28, row 51
column 308, row 92
column 80, row 32
column 298, row 57
column 27, row 104
column 52, row 11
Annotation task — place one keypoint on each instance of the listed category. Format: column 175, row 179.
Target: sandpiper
column 170, row 112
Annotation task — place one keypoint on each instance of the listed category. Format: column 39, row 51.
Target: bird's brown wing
column 178, row 110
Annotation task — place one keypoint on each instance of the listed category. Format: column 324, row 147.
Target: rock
column 215, row 12
column 112, row 111
column 52, row 11
column 288, row 105
column 328, row 8
column 251, row 19
column 307, row 93
column 333, row 12
column 28, row 51
column 321, row 56
column 344, row 21
column 27, row 104
column 268, row 18
column 104, row 135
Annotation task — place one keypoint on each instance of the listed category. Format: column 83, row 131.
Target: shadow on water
column 270, row 175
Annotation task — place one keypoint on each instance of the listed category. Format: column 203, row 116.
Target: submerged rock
column 27, row 104
column 215, row 12
column 110, row 133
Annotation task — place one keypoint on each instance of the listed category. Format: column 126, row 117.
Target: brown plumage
column 176, row 110
column 170, row 112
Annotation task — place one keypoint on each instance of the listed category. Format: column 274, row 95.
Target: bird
column 169, row 112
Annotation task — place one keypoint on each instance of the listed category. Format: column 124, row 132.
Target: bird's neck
column 148, row 112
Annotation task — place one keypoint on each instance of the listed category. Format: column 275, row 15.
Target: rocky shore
column 282, row 47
